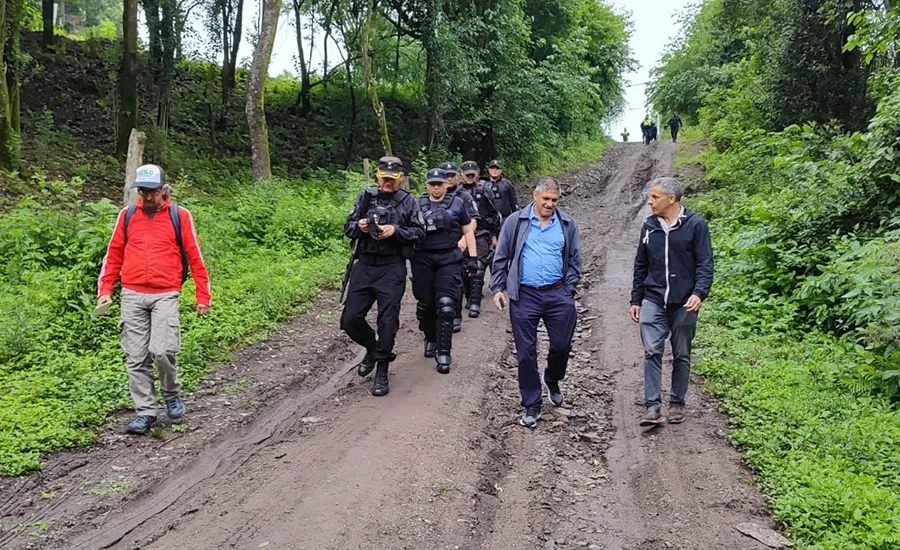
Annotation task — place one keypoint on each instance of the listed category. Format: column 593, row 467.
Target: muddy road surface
column 287, row 449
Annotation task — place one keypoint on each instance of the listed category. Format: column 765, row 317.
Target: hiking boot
column 430, row 349
column 175, row 407
column 380, row 386
column 366, row 365
column 141, row 424
column 676, row 414
column 556, row 396
column 443, row 364
column 457, row 324
column 652, row 418
column 531, row 416
column 474, row 310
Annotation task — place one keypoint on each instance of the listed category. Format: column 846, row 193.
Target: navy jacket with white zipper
column 669, row 267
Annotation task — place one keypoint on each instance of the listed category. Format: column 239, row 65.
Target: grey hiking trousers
column 657, row 323
column 151, row 333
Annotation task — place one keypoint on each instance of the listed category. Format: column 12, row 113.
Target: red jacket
column 151, row 262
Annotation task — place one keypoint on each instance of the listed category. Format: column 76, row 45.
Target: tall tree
column 226, row 24
column 162, row 17
column 256, row 89
column 128, row 100
column 47, row 17
column 369, row 79
column 9, row 157
column 304, row 95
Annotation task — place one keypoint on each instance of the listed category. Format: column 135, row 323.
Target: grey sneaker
column 141, row 424
column 531, row 417
column 556, row 396
column 175, row 407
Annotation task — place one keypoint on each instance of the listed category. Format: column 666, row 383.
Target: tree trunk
column 351, row 135
column 369, row 80
column 303, row 98
column 47, row 13
column 128, row 100
column 434, row 91
column 15, row 54
column 61, row 14
column 8, row 157
column 136, row 141
column 232, row 25
column 256, row 89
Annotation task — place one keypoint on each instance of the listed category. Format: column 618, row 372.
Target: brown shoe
column 676, row 414
column 652, row 418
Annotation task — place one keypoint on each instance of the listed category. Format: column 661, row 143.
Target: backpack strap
column 129, row 213
column 175, row 216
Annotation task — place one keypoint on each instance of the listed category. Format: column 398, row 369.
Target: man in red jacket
column 150, row 260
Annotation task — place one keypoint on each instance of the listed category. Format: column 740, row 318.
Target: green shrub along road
column 801, row 336
column 269, row 250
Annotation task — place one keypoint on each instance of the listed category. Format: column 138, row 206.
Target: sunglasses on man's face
column 149, row 192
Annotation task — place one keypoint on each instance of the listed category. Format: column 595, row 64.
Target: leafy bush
column 269, row 249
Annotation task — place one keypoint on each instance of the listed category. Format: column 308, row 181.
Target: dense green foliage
column 512, row 79
column 268, row 249
column 803, row 327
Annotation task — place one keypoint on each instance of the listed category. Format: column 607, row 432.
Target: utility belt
column 551, row 286
column 440, row 250
column 374, row 259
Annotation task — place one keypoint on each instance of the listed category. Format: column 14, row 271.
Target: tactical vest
column 442, row 227
column 477, row 192
column 383, row 211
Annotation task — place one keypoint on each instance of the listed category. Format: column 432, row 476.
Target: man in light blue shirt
column 536, row 267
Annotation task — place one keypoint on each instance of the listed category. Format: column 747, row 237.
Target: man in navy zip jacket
column 673, row 272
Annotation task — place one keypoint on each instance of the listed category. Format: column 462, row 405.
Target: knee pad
column 446, row 307
column 479, row 272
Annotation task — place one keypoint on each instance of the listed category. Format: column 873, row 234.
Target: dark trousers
column 368, row 284
column 674, row 130
column 436, row 275
column 658, row 323
column 557, row 308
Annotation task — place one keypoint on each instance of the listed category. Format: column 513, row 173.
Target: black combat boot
column 367, row 364
column 430, row 348
column 380, row 387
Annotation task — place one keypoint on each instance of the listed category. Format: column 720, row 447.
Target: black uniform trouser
column 368, row 284
column 436, row 275
column 483, row 248
column 674, row 130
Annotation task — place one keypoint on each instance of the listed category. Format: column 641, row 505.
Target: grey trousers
column 151, row 333
column 657, row 323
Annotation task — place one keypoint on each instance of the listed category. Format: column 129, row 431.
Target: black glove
column 470, row 264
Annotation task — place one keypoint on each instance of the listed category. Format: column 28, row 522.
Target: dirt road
column 288, row 449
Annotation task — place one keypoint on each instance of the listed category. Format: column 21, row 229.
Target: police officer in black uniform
column 472, row 209
column 438, row 263
column 388, row 225
column 486, row 232
column 504, row 192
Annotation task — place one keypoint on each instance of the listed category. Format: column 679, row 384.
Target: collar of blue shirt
column 534, row 218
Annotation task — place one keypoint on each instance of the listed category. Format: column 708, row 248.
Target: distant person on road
column 387, row 223
column 153, row 245
column 504, row 191
column 674, row 126
column 487, row 230
column 673, row 273
column 646, row 124
column 438, row 265
column 453, row 188
column 536, row 268
column 625, row 135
